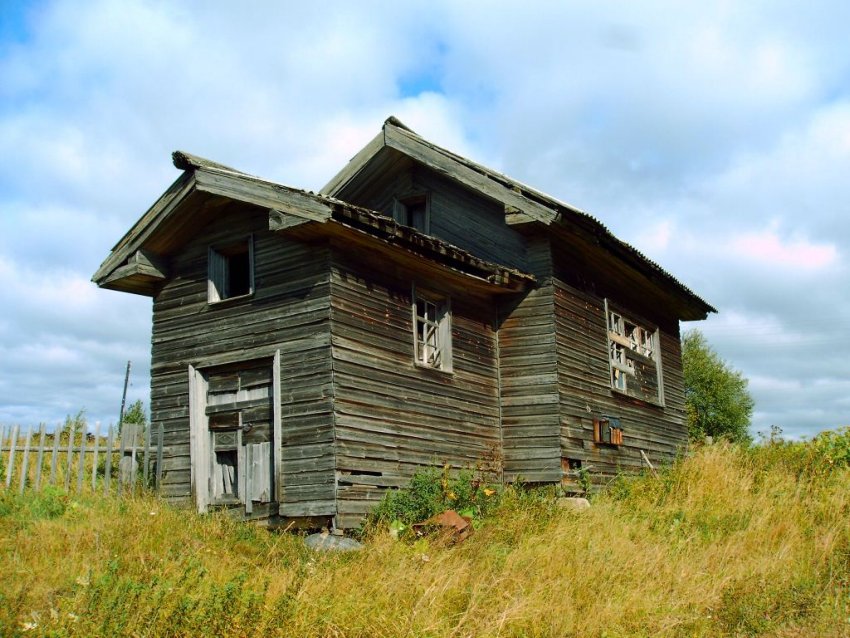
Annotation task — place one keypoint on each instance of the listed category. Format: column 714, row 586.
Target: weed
column 431, row 491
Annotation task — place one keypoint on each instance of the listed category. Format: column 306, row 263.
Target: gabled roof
column 523, row 205
column 138, row 262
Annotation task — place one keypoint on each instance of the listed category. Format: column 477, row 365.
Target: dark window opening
column 413, row 211
column 231, row 271
column 239, row 274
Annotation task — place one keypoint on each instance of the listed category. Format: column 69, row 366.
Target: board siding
column 391, row 416
column 457, row 215
column 528, row 377
column 585, row 392
column 289, row 311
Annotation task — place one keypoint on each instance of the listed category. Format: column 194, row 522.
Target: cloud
column 767, row 248
column 715, row 137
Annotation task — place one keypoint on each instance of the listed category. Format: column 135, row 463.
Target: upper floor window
column 432, row 330
column 633, row 353
column 231, row 270
column 414, row 211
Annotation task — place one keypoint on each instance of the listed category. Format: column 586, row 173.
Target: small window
column 432, row 331
column 414, row 211
column 231, row 271
column 607, row 431
column 633, row 358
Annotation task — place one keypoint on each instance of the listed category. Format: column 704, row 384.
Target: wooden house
column 310, row 351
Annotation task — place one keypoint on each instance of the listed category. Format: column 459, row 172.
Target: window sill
column 422, row 366
column 621, row 393
column 230, row 300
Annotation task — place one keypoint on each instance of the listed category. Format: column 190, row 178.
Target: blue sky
column 713, row 137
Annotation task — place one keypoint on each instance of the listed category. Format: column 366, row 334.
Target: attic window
column 634, row 358
column 231, row 271
column 414, row 211
column 432, row 331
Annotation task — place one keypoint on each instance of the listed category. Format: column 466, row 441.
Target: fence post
column 83, row 445
column 2, row 438
column 108, row 470
column 54, row 458
column 10, row 467
column 40, row 458
column 69, row 465
column 121, row 432
column 94, row 455
column 25, row 464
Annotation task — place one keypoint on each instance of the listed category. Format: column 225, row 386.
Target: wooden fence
column 79, row 460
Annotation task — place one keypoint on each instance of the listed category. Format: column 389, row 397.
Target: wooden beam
column 142, row 229
column 354, row 166
column 459, row 170
column 152, row 262
column 285, row 217
column 253, row 190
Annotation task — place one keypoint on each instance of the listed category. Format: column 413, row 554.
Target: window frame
column 441, row 323
column 631, row 340
column 401, row 210
column 218, row 270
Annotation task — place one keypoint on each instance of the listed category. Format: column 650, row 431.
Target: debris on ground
column 451, row 525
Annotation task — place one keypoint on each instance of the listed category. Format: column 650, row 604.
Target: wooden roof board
column 523, row 204
column 204, row 184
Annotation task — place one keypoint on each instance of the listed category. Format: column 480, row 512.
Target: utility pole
column 124, row 396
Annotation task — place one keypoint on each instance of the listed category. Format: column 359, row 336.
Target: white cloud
column 767, row 248
column 716, row 137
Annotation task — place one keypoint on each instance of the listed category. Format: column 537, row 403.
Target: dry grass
column 729, row 542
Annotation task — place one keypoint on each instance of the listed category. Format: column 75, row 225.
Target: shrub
column 432, row 491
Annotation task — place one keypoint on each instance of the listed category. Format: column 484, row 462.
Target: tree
column 717, row 402
column 135, row 414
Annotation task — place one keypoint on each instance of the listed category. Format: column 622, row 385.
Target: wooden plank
column 253, row 190
column 276, row 428
column 95, row 451
column 147, row 457
column 25, row 463
column 110, row 450
column 54, row 457
column 40, row 458
column 159, row 455
column 82, row 459
column 69, row 460
column 10, row 465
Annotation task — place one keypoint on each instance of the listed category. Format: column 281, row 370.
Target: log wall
column 529, row 377
column 391, row 416
column 289, row 311
column 585, row 391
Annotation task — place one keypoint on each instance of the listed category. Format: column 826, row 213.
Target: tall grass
column 728, row 542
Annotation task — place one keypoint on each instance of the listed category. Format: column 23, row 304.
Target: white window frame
column 218, row 274
column 400, row 210
column 432, row 330
column 626, row 336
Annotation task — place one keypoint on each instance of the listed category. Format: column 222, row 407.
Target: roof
column 523, row 205
column 138, row 262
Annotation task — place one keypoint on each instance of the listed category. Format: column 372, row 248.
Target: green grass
column 730, row 541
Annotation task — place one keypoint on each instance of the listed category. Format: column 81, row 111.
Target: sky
column 712, row 136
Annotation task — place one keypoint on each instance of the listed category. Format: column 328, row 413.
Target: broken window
column 414, row 211
column 231, row 271
column 432, row 330
column 634, row 357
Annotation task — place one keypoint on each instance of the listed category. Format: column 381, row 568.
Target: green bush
column 432, row 491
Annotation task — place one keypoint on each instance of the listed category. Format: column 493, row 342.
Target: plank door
column 234, row 436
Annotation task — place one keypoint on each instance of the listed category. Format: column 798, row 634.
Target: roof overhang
column 526, row 209
column 138, row 262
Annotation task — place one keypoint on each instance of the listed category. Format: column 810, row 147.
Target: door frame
column 199, row 433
